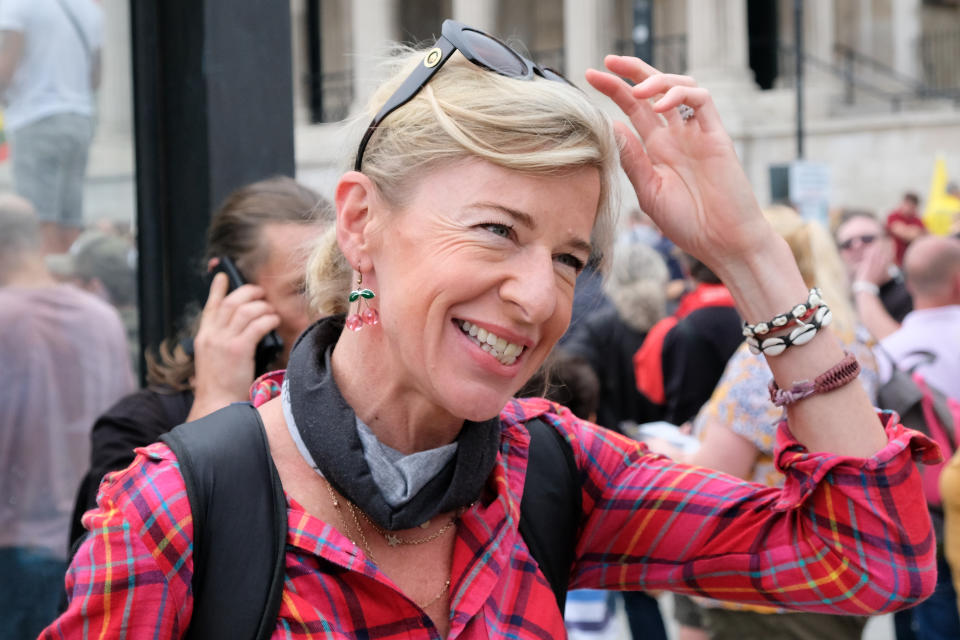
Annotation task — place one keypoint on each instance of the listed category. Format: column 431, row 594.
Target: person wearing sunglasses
column 481, row 188
column 876, row 284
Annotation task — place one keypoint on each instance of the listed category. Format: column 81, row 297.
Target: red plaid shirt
column 844, row 535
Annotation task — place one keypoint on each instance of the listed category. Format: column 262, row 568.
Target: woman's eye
column 571, row 261
column 502, row 230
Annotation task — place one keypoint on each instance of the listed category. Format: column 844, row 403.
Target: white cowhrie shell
column 799, row 310
column 803, row 334
column 773, row 346
column 754, row 346
column 823, row 316
column 780, row 321
column 814, row 299
column 747, row 331
column 761, row 328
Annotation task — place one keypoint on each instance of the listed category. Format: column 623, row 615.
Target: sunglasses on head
column 478, row 47
column 865, row 239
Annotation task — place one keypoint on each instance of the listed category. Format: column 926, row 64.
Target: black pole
column 642, row 35
column 315, row 59
column 798, row 26
column 213, row 110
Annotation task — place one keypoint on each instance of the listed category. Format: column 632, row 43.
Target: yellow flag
column 942, row 208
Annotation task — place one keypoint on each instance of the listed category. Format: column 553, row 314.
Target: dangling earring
column 368, row 315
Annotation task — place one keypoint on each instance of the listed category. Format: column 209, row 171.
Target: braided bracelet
column 799, row 315
column 803, row 334
column 840, row 374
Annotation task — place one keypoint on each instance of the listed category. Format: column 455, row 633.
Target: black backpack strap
column 551, row 506
column 239, row 523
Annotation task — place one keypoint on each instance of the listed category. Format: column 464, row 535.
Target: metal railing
column 328, row 95
column 866, row 77
column 940, row 59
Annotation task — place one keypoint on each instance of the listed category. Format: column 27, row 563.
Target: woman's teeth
column 505, row 352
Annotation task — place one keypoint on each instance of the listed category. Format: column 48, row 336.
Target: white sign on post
column 810, row 190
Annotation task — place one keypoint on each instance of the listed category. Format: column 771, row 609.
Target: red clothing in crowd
column 898, row 215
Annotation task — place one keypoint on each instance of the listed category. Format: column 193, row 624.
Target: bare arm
column 872, row 270
column 724, row 450
column 11, row 51
column 904, row 231
column 689, row 180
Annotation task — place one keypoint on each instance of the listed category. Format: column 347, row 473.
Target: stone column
column 115, row 110
column 819, row 39
column 717, row 43
column 374, row 27
column 818, row 31
column 481, row 14
column 865, row 32
column 584, row 44
column 906, row 37
column 298, row 59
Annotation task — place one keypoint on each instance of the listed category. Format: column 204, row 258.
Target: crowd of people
column 393, row 351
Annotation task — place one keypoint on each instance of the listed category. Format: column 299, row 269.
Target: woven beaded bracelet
column 842, row 373
column 798, row 315
column 803, row 334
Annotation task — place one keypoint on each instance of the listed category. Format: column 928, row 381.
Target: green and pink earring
column 363, row 313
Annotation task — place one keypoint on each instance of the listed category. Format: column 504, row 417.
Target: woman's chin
column 478, row 406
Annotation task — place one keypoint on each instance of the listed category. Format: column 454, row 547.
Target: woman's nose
column 532, row 288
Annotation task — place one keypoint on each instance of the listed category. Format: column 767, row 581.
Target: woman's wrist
column 765, row 282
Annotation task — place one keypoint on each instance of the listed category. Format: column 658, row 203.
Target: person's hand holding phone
column 231, row 325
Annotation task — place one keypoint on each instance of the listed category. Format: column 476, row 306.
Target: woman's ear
column 355, row 198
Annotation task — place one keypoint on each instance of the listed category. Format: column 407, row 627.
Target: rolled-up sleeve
column 844, row 535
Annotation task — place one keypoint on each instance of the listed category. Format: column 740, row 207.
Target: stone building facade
column 881, row 78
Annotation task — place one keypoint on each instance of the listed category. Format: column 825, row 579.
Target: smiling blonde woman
column 480, row 189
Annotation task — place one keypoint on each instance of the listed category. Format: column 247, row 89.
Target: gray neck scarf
column 399, row 477
column 328, row 430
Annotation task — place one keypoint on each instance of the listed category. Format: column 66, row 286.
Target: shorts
column 725, row 624
column 49, row 159
column 687, row 612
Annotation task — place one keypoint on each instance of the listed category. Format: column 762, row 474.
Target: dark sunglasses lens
column 550, row 74
column 494, row 54
column 864, row 240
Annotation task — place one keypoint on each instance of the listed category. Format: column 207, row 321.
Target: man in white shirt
column 929, row 338
column 49, row 70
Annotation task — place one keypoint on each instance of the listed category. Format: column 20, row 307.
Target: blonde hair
column 538, row 127
column 819, row 263
column 328, row 276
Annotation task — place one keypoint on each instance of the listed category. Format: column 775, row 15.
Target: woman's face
column 479, row 251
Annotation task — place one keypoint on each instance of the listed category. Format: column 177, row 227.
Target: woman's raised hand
column 685, row 171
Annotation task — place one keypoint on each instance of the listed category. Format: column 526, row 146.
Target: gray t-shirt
column 54, row 73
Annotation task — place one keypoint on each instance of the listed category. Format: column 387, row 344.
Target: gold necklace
column 393, row 539
column 366, row 545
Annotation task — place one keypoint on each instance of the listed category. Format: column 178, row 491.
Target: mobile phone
column 270, row 346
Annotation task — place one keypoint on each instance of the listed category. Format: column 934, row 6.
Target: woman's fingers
column 656, row 86
column 636, row 164
column 697, row 98
column 640, row 112
column 634, row 69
